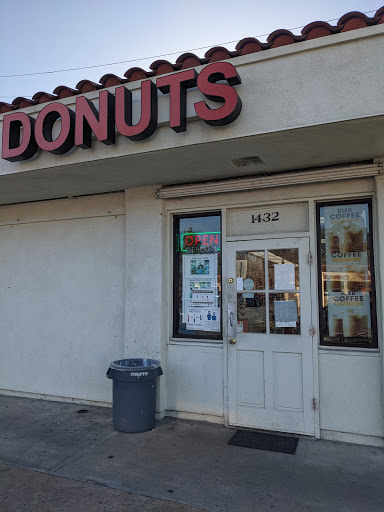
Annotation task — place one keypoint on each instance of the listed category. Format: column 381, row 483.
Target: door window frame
column 210, row 336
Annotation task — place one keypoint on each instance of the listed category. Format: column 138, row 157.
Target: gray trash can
column 134, row 393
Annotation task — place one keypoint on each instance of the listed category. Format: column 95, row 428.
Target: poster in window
column 346, row 277
column 199, row 285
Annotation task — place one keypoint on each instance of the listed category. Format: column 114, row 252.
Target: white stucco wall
column 195, row 380
column 88, row 280
column 146, row 302
column 351, row 393
column 62, row 296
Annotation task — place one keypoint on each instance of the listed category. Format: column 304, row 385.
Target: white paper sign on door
column 203, row 319
column 211, row 319
column 284, row 276
column 203, row 298
column 194, row 319
column 285, row 313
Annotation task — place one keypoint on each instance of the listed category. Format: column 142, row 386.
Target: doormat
column 262, row 441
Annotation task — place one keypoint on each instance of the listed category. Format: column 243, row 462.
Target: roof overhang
column 313, row 104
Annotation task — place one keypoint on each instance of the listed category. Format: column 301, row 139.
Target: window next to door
column 197, row 276
column 346, row 274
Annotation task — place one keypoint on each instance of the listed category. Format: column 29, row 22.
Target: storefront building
column 224, row 215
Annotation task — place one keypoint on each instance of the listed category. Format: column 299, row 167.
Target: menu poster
column 346, row 277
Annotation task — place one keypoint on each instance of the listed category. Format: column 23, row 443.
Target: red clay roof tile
column 21, row 102
column 6, row 107
column 133, row 74
column 250, row 45
column 44, row 97
column 110, row 80
column 281, row 37
column 318, row 29
column 189, row 60
column 87, row 86
column 162, row 67
column 65, row 92
column 219, row 53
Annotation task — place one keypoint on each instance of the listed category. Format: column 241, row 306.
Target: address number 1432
column 265, row 217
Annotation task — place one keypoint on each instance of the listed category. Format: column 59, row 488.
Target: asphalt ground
column 55, row 458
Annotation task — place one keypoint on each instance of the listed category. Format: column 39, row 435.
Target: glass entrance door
column 270, row 363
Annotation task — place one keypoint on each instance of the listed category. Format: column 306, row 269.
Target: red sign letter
column 14, row 150
column 177, row 86
column 148, row 119
column 206, row 82
column 44, row 125
column 88, row 120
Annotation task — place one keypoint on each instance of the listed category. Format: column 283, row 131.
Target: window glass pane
column 197, row 286
column 284, row 313
column 251, row 312
column 347, row 295
column 250, row 270
column 283, row 269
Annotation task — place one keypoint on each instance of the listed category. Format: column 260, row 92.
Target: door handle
column 232, row 341
column 231, row 319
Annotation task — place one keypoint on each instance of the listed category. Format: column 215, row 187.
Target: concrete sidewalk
column 55, row 456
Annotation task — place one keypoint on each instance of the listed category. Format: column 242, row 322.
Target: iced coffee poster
column 346, row 279
column 349, row 315
column 346, row 235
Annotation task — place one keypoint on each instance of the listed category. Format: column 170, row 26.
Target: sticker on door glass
column 285, row 313
column 284, row 276
column 248, row 284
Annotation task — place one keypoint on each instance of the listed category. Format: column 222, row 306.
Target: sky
column 43, row 36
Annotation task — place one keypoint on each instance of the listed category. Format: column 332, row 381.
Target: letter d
column 13, row 149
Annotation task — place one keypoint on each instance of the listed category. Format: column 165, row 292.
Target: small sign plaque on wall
column 270, row 219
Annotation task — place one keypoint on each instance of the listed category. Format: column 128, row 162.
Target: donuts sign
column 23, row 135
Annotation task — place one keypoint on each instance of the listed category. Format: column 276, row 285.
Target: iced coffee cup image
column 356, row 325
column 357, row 281
column 334, row 283
column 355, row 241
column 333, row 240
column 335, row 322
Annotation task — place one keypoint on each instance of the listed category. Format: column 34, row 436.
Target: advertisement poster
column 203, row 319
column 199, row 287
column 346, row 279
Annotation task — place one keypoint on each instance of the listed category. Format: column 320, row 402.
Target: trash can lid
column 136, row 364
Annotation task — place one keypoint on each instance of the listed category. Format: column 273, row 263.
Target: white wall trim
column 347, row 437
column 183, row 415
column 53, row 398
column 323, row 174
